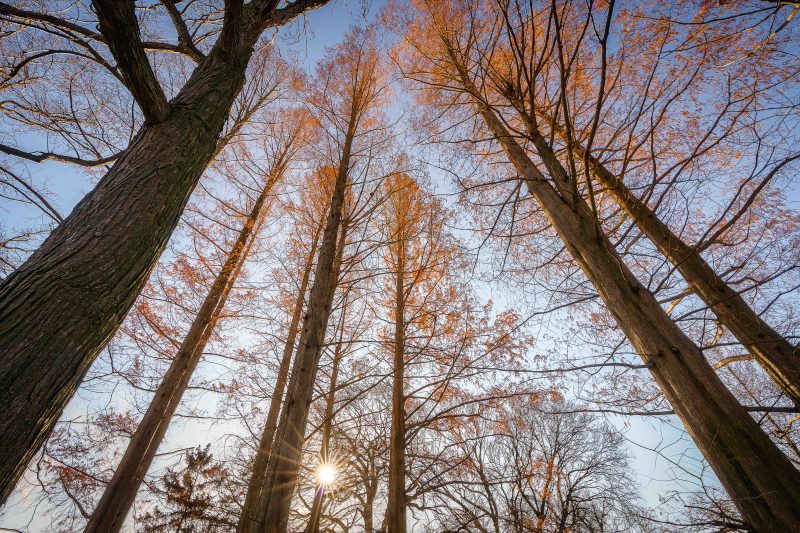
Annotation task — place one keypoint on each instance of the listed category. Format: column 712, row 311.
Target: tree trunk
column 316, row 511
column 396, row 509
column 249, row 520
column 774, row 353
column 368, row 509
column 324, row 453
column 61, row 307
column 284, row 465
column 118, row 497
column 761, row 480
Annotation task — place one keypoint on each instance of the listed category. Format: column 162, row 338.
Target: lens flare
column 326, row 474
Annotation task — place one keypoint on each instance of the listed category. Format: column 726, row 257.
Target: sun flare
column 326, row 474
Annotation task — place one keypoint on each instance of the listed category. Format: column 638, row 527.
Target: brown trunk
column 61, row 307
column 118, row 497
column 316, row 511
column 260, row 502
column 284, row 464
column 761, row 480
column 396, row 510
column 367, row 511
column 324, row 453
column 249, row 520
column 774, row 353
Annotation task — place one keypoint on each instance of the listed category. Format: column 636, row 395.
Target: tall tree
column 446, row 40
column 115, row 504
column 249, row 516
column 417, row 257
column 516, row 81
column 311, row 213
column 325, row 456
column 776, row 355
column 349, row 106
column 86, row 275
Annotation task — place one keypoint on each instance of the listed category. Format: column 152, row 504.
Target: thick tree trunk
column 284, row 464
column 118, row 497
column 249, row 521
column 761, row 480
column 773, row 352
column 396, row 509
column 61, row 307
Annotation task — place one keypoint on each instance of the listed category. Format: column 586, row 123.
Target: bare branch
column 117, row 22
column 38, row 157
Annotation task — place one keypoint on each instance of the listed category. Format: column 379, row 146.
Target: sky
column 304, row 46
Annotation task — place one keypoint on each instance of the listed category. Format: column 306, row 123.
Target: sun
column 326, row 473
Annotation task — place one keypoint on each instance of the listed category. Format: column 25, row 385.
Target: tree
column 198, row 497
column 451, row 58
column 417, row 258
column 110, row 513
column 325, row 456
column 310, row 213
column 348, row 105
column 85, row 276
column 773, row 351
column 529, row 467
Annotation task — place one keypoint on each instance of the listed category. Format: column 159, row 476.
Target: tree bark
column 396, row 509
column 284, row 464
column 119, row 495
column 761, row 480
column 62, row 306
column 324, row 453
column 773, row 352
column 368, row 509
column 249, row 519
column 117, row 22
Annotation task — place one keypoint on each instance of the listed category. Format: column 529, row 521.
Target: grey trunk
column 773, row 352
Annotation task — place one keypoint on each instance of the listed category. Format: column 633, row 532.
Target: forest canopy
column 399, row 266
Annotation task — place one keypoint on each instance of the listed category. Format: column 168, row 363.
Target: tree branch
column 264, row 14
column 38, row 157
column 748, row 408
column 117, row 22
column 25, row 17
column 184, row 38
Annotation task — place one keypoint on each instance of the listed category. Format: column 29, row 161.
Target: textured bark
column 118, row 497
column 316, row 511
column 117, row 22
column 324, row 452
column 761, row 480
column 396, row 507
column 249, row 520
column 284, row 464
column 61, row 307
column 774, row 353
